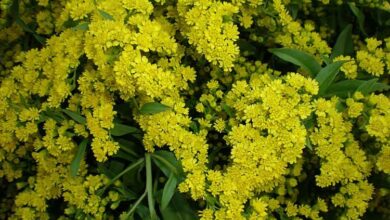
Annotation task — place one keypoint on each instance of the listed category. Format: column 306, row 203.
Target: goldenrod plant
column 194, row 109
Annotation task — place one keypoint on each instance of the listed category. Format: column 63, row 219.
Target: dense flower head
column 110, row 108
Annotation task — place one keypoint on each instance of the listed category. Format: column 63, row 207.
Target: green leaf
column 169, row 190
column 343, row 88
column 121, row 129
column 359, row 15
column 309, row 122
column 293, row 8
column 143, row 212
column 308, row 143
column 128, row 147
column 344, row 43
column 299, row 58
column 370, row 86
column 109, row 173
column 227, row 18
column 326, row 59
column 106, row 15
column 75, row 165
column 126, row 194
column 149, row 186
column 178, row 209
column 194, row 127
column 153, row 108
column 379, row 87
column 124, row 155
column 82, row 26
column 103, row 169
column 327, row 75
column 229, row 110
column 75, row 116
column 346, row 88
column 340, row 106
column 168, row 164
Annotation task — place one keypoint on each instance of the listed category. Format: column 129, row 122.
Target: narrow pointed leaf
column 359, row 15
column 129, row 147
column 168, row 164
column 327, row 75
column 371, row 86
column 229, row 110
column 153, row 108
column 169, row 191
column 308, row 143
column 326, row 59
column 344, row 43
column 106, row 15
column 149, row 186
column 82, row 26
column 178, row 209
column 299, row 58
column 75, row 165
column 346, row 88
column 343, row 88
column 75, row 116
column 121, row 129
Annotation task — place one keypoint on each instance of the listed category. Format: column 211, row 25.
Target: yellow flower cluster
column 378, row 125
column 171, row 128
column 306, row 211
column 342, row 160
column 349, row 68
column 81, row 193
column 52, row 181
column 294, row 35
column 262, row 142
column 210, row 27
column 373, row 59
column 383, row 160
column 248, row 137
column 355, row 197
column 97, row 104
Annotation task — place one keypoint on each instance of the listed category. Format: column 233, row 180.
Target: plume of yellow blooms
column 372, row 59
column 248, row 136
column 217, row 38
column 259, row 144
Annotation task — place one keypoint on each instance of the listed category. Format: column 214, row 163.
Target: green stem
column 132, row 210
column 149, row 186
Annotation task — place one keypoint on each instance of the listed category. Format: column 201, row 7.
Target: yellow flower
column 348, row 68
column 207, row 214
column 29, row 114
column 219, row 125
column 370, row 63
column 260, row 207
column 354, row 108
column 379, row 122
column 217, row 38
column 291, row 209
column 383, row 162
column 213, row 85
column 372, row 44
column 199, row 107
